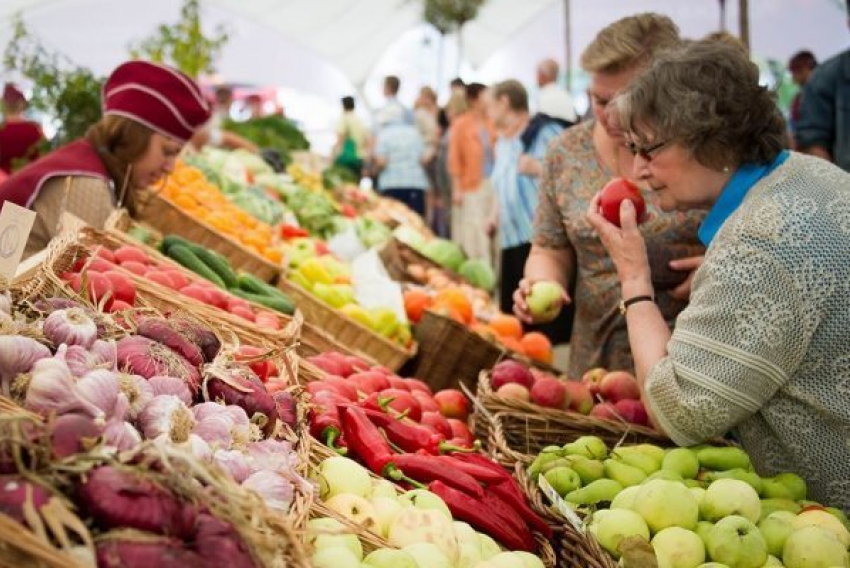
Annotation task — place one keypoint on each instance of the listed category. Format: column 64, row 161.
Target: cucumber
column 170, row 240
column 217, row 264
column 251, row 283
column 280, row 303
column 186, row 257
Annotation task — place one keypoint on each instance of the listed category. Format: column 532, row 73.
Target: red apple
column 619, row 385
column 426, row 401
column 605, row 410
column 550, row 392
column 614, row 192
column 436, row 422
column 515, row 391
column 452, row 403
column 511, row 372
column 632, row 411
column 581, row 400
column 397, row 382
column 461, row 430
column 592, row 378
column 417, row 385
column 402, row 402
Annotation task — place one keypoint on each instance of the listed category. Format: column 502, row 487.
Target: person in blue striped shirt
column 519, row 152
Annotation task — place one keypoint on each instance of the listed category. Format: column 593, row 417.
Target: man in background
column 352, row 139
column 801, row 66
column 552, row 100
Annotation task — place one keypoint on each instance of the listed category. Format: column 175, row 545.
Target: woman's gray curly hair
column 705, row 96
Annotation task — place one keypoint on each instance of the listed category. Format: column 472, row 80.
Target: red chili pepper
column 291, row 232
column 482, row 474
column 425, row 468
column 325, row 424
column 367, row 443
column 407, row 436
column 477, row 513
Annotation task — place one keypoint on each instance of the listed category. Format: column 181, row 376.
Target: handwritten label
column 15, row 226
column 563, row 507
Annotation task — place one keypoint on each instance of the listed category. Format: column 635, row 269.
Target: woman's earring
column 725, row 169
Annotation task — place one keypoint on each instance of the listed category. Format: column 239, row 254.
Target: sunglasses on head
column 645, row 152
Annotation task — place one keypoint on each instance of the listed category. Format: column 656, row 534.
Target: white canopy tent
column 329, row 48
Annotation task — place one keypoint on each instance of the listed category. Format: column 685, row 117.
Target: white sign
column 563, row 507
column 15, row 226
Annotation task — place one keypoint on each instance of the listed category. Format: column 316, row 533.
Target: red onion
column 241, row 387
column 286, row 409
column 218, row 543
column 116, row 498
column 15, row 492
column 141, row 356
column 164, row 553
column 165, row 332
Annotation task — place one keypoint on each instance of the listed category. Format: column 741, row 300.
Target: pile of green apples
column 700, row 507
column 417, row 524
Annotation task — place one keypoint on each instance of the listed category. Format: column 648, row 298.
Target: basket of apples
column 522, row 410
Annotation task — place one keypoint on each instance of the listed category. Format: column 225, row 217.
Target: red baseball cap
column 161, row 98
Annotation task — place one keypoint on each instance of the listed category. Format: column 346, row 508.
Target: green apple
column 390, row 558
column 384, row 488
column 682, row 461
column 676, row 547
column 769, row 506
column 338, row 475
column 665, row 504
column 386, row 510
column 563, row 480
column 772, row 561
column 489, row 547
column 814, row 547
column 414, row 526
column 468, row 556
column 698, row 493
column 591, row 447
column 469, row 547
column 545, row 300
column 667, row 475
column 336, row 557
column 506, row 560
column 750, row 477
column 822, row 518
column 736, row 541
column 776, row 528
column 625, row 499
column 330, row 533
column 528, row 559
column 356, row 509
column 726, row 497
column 703, row 530
column 838, row 514
column 424, row 499
column 613, row 525
column 428, row 555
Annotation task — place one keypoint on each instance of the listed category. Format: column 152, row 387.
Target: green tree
column 450, row 16
column 184, row 44
column 62, row 90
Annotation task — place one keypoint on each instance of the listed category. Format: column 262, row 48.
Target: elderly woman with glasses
column 763, row 348
column 580, row 162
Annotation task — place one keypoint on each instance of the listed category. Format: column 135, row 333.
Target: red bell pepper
column 477, row 513
column 264, row 368
column 425, row 468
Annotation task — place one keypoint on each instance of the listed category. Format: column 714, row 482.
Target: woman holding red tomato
column 763, row 348
column 150, row 112
column 584, row 158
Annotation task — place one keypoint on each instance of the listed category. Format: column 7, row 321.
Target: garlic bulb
column 275, row 490
column 17, row 355
column 138, row 391
column 70, row 327
column 221, row 426
column 166, row 414
column 100, row 388
column 102, row 355
column 121, row 435
column 234, row 463
column 52, row 389
column 171, row 385
column 200, row 449
column 272, row 455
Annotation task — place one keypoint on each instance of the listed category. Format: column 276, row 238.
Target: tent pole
column 722, row 26
column 568, row 68
column 744, row 22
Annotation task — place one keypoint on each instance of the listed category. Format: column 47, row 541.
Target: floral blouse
column 572, row 176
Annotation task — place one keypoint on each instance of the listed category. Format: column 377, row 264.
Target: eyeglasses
column 645, row 153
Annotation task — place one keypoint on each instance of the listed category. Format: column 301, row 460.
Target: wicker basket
column 167, row 217
column 345, row 330
column 515, row 431
column 450, row 353
column 397, row 257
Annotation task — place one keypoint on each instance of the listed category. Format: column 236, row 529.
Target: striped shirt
column 517, row 194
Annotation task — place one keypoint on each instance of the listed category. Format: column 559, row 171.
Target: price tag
column 15, row 226
column 563, row 507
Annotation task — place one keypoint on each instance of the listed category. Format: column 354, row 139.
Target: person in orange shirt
column 470, row 164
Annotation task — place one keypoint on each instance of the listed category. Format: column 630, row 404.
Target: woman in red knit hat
column 19, row 138
column 150, row 111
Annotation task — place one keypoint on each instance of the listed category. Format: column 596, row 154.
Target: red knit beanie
column 157, row 96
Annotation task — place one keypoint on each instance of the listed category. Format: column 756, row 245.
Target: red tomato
column 123, row 287
column 105, row 254
column 243, row 312
column 196, row 293
column 268, row 320
column 129, row 252
column 98, row 288
column 134, row 267
column 614, row 192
